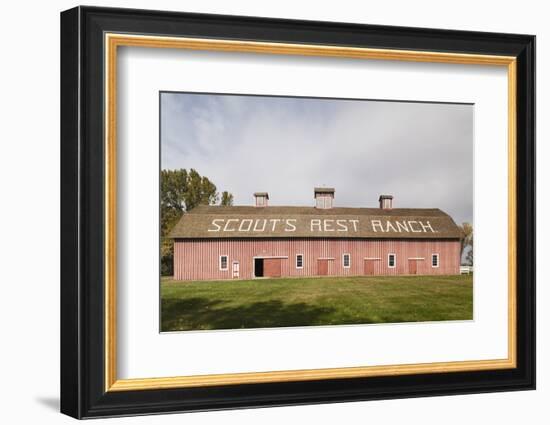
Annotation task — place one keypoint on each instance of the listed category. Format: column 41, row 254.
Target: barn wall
column 199, row 259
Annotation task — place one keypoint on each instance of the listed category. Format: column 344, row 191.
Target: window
column 299, row 261
column 346, row 259
column 435, row 260
column 319, row 202
column 391, row 261
column 323, row 201
column 223, row 262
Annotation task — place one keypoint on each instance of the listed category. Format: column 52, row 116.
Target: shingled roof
column 309, row 222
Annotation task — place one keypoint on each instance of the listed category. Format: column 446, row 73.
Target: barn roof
column 323, row 190
column 309, row 222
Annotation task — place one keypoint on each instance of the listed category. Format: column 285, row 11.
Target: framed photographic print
column 261, row 212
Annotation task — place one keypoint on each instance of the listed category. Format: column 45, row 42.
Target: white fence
column 466, row 269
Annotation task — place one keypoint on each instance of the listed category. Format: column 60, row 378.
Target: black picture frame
column 82, row 212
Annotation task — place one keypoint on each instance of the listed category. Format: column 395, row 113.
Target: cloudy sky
column 421, row 153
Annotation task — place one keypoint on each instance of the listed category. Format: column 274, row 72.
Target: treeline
column 181, row 191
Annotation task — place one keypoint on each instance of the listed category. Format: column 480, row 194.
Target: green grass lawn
column 265, row 303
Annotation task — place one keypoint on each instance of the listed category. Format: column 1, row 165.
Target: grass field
column 313, row 301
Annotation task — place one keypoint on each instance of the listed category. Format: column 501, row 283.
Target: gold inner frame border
column 113, row 40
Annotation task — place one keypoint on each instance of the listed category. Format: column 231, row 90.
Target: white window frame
column 296, row 263
column 324, row 202
column 435, row 254
column 394, row 260
column 226, row 263
column 344, row 262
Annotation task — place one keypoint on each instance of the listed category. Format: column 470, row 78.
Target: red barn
column 245, row 242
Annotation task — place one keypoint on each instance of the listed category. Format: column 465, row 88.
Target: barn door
column 235, row 269
column 412, row 266
column 322, row 267
column 369, row 267
column 272, row 267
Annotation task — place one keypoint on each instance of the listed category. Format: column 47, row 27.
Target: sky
column 421, row 153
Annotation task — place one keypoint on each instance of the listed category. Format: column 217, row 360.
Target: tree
column 467, row 243
column 181, row 191
column 227, row 198
column 198, row 191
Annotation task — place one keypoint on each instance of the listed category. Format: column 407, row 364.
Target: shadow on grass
column 203, row 313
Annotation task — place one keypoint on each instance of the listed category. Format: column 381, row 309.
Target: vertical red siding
column 199, row 259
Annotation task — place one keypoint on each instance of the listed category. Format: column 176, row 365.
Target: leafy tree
column 181, row 191
column 199, row 191
column 470, row 256
column 227, row 198
column 467, row 242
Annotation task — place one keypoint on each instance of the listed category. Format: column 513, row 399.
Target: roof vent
column 324, row 197
column 385, row 202
column 261, row 199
